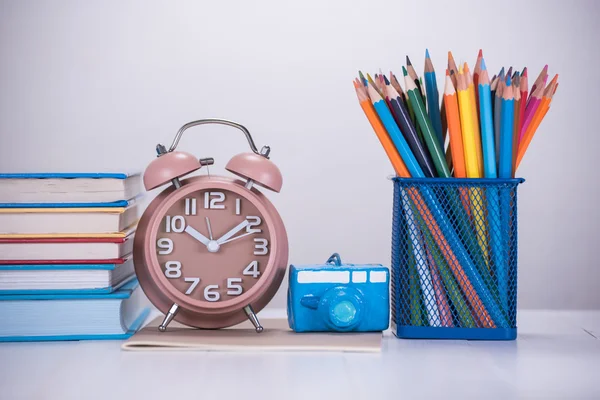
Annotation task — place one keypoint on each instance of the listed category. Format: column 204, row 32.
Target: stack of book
column 66, row 268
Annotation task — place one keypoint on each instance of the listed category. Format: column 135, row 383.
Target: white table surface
column 556, row 355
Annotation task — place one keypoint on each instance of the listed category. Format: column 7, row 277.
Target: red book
column 65, row 250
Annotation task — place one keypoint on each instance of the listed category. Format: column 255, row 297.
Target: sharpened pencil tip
column 524, row 73
column 501, row 73
column 546, row 68
column 480, row 55
column 404, row 71
column 483, row 68
column 385, row 79
column 427, row 53
column 408, row 61
column 508, row 81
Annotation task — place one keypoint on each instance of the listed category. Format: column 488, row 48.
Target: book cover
column 68, row 316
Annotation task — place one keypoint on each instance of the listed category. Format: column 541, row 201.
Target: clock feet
column 169, row 317
column 253, row 318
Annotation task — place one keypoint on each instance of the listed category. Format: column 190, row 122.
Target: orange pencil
column 537, row 119
column 453, row 118
column 456, row 140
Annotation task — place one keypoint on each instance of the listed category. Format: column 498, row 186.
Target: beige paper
column 276, row 337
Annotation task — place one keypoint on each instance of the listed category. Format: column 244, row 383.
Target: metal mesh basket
column 454, row 258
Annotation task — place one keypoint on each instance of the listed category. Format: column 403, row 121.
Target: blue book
column 52, row 190
column 99, row 278
column 45, row 317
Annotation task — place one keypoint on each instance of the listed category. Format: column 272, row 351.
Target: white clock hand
column 197, row 235
column 232, row 232
column 237, row 237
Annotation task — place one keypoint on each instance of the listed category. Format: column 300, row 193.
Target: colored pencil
column 506, row 131
column 505, row 171
column 471, row 141
column 524, row 89
column 497, row 113
column 532, row 105
column 413, row 75
column 437, row 153
column 516, row 83
column 454, row 128
column 394, row 82
column 467, row 129
column 363, row 80
column 452, row 68
column 540, row 114
column 456, row 140
column 538, row 81
column 509, row 72
column 403, row 120
column 474, row 116
column 382, row 135
column 433, row 99
column 487, row 124
column 489, row 159
column 374, row 84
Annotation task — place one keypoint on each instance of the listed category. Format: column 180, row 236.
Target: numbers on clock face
column 212, row 245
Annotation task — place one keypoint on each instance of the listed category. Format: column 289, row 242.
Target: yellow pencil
column 474, row 117
column 474, row 169
column 466, row 124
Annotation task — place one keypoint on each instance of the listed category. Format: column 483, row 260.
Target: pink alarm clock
column 211, row 251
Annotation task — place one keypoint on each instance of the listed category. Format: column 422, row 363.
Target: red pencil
column 524, row 89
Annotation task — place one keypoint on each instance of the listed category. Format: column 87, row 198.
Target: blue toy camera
column 338, row 297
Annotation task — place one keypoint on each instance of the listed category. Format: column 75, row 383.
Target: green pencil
column 437, row 153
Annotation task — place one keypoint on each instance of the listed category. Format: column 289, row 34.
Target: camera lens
column 342, row 308
column 343, row 312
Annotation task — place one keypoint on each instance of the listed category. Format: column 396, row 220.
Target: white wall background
column 94, row 85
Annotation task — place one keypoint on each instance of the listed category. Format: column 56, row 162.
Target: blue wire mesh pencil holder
column 454, row 258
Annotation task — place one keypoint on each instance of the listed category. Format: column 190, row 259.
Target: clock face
column 212, row 245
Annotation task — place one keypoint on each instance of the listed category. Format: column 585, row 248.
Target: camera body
column 338, row 298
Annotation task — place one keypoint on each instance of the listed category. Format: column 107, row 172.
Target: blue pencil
column 497, row 111
column 505, row 171
column 487, row 124
column 433, row 99
column 387, row 119
column 489, row 168
column 506, row 131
